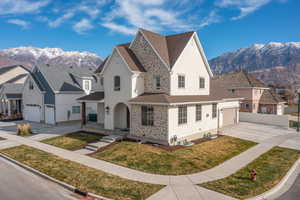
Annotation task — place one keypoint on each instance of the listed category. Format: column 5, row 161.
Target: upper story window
column 87, row 85
column 182, row 115
column 214, row 110
column 117, row 83
column 157, row 82
column 31, row 85
column 198, row 112
column 181, row 81
column 147, row 116
column 101, row 81
column 201, row 82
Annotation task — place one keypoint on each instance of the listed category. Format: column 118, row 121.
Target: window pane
column 181, row 81
column 214, row 111
column 201, row 82
column 198, row 112
column 117, row 83
column 157, row 82
column 147, row 116
column 182, row 115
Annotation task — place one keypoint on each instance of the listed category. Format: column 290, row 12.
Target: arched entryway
column 121, row 116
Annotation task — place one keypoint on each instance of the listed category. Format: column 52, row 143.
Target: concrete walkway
column 178, row 187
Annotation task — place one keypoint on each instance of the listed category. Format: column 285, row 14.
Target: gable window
column 198, row 112
column 31, row 85
column 201, row 82
column 75, row 109
column 214, row 110
column 117, row 83
column 87, row 85
column 181, row 81
column 157, row 82
column 182, row 115
column 147, row 115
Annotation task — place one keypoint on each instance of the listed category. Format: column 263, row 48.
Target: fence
column 268, row 119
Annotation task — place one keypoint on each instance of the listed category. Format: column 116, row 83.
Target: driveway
column 39, row 127
column 17, row 183
column 262, row 133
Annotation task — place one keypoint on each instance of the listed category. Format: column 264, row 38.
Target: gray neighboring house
column 11, row 99
column 50, row 93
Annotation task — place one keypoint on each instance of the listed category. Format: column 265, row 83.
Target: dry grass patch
column 182, row 161
column 82, row 177
column 73, row 141
column 271, row 167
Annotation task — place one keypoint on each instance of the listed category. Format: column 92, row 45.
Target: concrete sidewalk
column 182, row 187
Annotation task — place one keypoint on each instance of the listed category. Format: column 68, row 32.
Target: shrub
column 24, row 129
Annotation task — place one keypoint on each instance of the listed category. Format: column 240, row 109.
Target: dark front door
column 128, row 118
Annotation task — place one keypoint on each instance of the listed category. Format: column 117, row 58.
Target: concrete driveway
column 39, row 127
column 17, row 183
column 261, row 133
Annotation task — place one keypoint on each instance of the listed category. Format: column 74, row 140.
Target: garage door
column 32, row 113
column 49, row 115
column 229, row 116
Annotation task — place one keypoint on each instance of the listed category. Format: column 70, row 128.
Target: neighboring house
column 50, row 93
column 13, row 74
column 11, row 99
column 258, row 98
column 159, row 88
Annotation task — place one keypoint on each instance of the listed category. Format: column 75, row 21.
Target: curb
column 280, row 185
column 49, row 178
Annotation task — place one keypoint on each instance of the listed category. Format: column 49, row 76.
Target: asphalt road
column 293, row 193
column 19, row 184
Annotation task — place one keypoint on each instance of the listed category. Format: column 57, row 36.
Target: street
column 293, row 193
column 17, row 183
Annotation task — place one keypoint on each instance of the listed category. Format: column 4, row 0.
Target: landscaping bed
column 84, row 178
column 271, row 167
column 73, row 141
column 186, row 160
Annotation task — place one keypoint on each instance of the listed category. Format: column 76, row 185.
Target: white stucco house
column 50, row 93
column 159, row 88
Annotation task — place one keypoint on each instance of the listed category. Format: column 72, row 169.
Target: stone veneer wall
column 153, row 65
column 157, row 132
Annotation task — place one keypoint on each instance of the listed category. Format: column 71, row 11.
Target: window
column 101, row 81
column 214, row 110
column 181, row 81
column 157, row 82
column 87, row 85
column 198, row 112
column 247, row 106
column 117, row 83
column 31, row 85
column 182, row 115
column 75, row 109
column 147, row 115
column 201, row 82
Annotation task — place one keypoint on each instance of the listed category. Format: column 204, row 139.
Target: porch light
column 107, row 109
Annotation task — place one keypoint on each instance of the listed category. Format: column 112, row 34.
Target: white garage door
column 32, row 113
column 49, row 115
column 229, row 116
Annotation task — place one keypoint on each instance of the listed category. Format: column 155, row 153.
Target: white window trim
column 186, row 117
column 89, row 85
column 201, row 77
column 183, row 75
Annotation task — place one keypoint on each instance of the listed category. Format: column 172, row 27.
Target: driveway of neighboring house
column 17, row 183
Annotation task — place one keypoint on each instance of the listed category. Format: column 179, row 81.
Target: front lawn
column 294, row 114
column 73, row 141
column 82, row 177
column 271, row 167
column 187, row 160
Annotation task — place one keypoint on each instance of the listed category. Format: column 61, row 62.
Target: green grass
column 188, row 160
column 271, row 168
column 293, row 106
column 73, row 141
column 82, row 177
column 294, row 114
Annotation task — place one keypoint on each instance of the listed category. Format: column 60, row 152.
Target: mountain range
column 275, row 63
column 31, row 56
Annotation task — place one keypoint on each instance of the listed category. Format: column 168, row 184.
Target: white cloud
column 19, row 22
column 120, row 28
column 82, row 26
column 246, row 7
column 62, row 19
column 21, row 6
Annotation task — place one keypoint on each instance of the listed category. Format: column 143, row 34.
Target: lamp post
column 298, row 124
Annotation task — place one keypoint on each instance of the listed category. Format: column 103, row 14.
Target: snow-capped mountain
column 275, row 63
column 54, row 56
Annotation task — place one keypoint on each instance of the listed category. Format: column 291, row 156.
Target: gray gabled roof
column 62, row 78
column 12, row 90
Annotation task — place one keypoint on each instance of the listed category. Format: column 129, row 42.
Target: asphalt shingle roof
column 96, row 96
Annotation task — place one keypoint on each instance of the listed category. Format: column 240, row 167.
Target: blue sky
column 97, row 25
